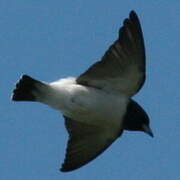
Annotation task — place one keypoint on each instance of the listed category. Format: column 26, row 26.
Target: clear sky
column 53, row 39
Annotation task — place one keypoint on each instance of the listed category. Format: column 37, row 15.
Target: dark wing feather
column 85, row 143
column 122, row 67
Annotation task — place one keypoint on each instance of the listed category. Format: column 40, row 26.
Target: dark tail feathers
column 26, row 89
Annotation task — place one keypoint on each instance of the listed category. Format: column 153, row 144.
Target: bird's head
column 136, row 119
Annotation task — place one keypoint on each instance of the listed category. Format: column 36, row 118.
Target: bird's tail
column 28, row 89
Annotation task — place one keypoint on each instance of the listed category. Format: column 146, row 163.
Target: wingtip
column 63, row 170
column 133, row 13
column 66, row 169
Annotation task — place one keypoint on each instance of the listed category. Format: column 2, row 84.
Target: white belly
column 88, row 105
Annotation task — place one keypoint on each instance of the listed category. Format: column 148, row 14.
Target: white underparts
column 85, row 104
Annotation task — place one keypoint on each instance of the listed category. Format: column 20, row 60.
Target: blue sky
column 54, row 39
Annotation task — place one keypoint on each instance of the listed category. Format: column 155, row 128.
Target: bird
column 97, row 106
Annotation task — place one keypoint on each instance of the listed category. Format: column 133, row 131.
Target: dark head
column 136, row 119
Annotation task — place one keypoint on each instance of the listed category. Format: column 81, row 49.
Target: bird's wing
column 85, row 143
column 122, row 68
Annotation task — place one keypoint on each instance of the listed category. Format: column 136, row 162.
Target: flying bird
column 97, row 106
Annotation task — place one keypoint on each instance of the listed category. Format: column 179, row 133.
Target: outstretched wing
column 122, row 68
column 85, row 143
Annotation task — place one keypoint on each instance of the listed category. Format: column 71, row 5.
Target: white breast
column 86, row 104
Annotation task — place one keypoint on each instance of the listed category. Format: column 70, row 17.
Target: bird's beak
column 148, row 130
